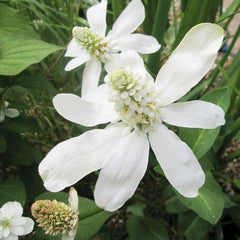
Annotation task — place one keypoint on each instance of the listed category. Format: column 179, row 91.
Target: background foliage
column 33, row 38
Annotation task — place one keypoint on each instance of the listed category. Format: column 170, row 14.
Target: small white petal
column 128, row 21
column 121, row 175
column 73, row 200
column 11, row 112
column 193, row 114
column 189, row 62
column 5, row 231
column 17, row 230
column 138, row 42
column 66, row 236
column 178, row 162
column 28, row 225
column 71, row 160
column 11, row 237
column 96, row 16
column 77, row 61
column 81, row 111
column 91, row 75
column 17, row 221
column 74, row 49
column 12, row 210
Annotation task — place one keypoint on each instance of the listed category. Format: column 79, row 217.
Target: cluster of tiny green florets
column 96, row 46
column 54, row 217
column 135, row 99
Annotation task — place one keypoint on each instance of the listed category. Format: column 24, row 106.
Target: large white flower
column 12, row 224
column 91, row 46
column 136, row 106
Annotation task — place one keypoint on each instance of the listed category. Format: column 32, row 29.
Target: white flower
column 91, row 46
column 12, row 224
column 57, row 217
column 5, row 111
column 131, row 97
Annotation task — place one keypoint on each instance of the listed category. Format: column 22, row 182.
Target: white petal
column 11, row 112
column 128, row 21
column 74, row 49
column 190, row 61
column 120, row 177
column 71, row 160
column 73, row 200
column 5, row 231
column 11, row 237
column 17, row 230
column 2, row 115
column 12, row 210
column 91, row 75
column 138, row 42
column 193, row 114
column 17, row 221
column 96, row 16
column 178, row 162
column 67, row 237
column 82, row 111
column 129, row 60
column 77, row 61
column 28, row 225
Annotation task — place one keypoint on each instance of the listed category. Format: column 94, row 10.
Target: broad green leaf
column 12, row 190
column 192, row 226
column 20, row 45
column 91, row 217
column 36, row 82
column 143, row 228
column 174, row 205
column 22, row 124
column 19, row 51
column 201, row 140
column 13, row 22
column 209, row 203
column 3, row 144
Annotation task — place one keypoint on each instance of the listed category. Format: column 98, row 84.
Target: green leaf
column 12, row 190
column 174, row 205
column 201, row 140
column 23, row 124
column 158, row 31
column 20, row 46
column 209, row 203
column 197, row 11
column 36, row 82
column 192, row 226
column 91, row 217
column 142, row 228
column 3, row 144
column 13, row 22
column 17, row 52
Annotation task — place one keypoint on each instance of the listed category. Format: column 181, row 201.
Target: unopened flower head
column 57, row 217
column 54, row 217
column 12, row 224
column 94, row 44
